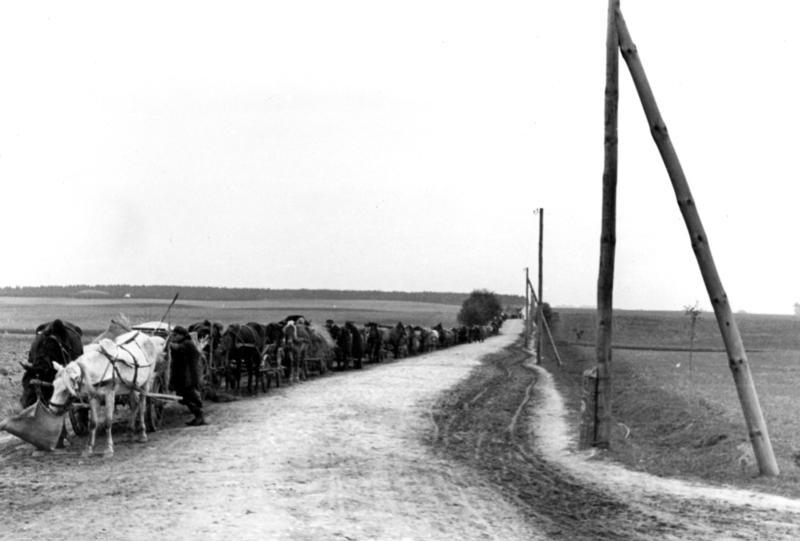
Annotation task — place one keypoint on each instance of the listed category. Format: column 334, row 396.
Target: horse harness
column 113, row 360
column 239, row 341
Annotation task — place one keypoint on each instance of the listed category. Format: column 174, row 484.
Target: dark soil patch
column 476, row 426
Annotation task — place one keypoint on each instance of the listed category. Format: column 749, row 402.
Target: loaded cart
column 41, row 426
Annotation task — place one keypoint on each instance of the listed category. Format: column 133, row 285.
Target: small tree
column 480, row 308
column 693, row 312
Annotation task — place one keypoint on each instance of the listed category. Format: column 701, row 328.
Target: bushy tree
column 549, row 316
column 479, row 308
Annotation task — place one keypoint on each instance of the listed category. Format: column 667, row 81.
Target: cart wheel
column 154, row 414
column 79, row 418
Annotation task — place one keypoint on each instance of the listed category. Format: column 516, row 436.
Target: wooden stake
column 737, row 357
column 608, row 239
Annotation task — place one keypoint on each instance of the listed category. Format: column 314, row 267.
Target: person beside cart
column 186, row 372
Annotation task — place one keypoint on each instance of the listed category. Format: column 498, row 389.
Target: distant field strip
column 637, row 347
column 23, row 315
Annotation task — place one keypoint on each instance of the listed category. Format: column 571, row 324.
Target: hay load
column 322, row 343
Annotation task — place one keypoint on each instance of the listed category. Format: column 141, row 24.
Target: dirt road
column 420, row 449
column 340, row 457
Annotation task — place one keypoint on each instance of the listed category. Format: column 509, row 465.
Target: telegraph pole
column 540, row 302
column 601, row 435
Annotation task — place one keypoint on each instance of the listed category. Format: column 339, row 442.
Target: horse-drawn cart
column 34, row 424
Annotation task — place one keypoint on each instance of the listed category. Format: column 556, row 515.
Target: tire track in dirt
column 489, row 435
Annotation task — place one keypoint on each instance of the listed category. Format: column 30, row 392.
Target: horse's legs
column 138, row 407
column 303, row 365
column 292, row 354
column 94, row 415
column 110, row 404
column 62, row 437
column 255, row 359
column 142, row 411
column 234, row 374
column 230, row 374
column 133, row 403
column 252, row 377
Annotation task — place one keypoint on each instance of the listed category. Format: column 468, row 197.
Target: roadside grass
column 684, row 418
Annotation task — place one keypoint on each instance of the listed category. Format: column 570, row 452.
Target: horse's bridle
column 60, row 408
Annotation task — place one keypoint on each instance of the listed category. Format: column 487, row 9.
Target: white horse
column 123, row 366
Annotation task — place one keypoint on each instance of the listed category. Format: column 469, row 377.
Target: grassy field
column 684, row 416
column 20, row 316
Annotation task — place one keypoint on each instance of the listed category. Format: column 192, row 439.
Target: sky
column 395, row 146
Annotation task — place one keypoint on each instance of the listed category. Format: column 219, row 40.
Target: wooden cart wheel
column 79, row 418
column 154, row 415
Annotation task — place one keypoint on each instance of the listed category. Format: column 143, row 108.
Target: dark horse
column 343, row 342
column 239, row 350
column 57, row 341
column 209, row 334
column 398, row 340
column 374, row 342
column 447, row 337
column 356, row 346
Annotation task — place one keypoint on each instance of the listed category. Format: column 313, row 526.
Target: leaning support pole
column 527, row 309
column 601, row 435
column 737, row 357
column 546, row 328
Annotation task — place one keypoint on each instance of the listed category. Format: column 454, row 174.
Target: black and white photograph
column 399, row 271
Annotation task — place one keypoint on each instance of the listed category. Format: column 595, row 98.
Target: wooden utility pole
column 737, row 357
column 527, row 307
column 608, row 239
column 539, row 303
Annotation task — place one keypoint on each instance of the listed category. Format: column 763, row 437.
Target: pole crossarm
column 737, row 357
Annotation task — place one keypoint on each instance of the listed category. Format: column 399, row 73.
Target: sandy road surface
column 335, row 458
column 384, row 453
